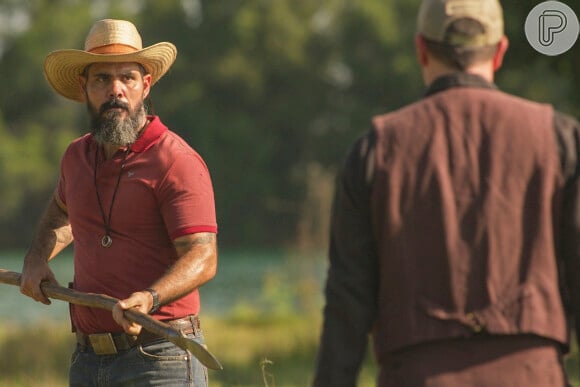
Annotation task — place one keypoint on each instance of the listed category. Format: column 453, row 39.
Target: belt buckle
column 103, row 344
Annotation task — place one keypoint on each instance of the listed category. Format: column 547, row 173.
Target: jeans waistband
column 111, row 343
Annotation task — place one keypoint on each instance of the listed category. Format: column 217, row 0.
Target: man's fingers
column 31, row 281
column 35, row 292
column 39, row 296
column 133, row 329
column 129, row 327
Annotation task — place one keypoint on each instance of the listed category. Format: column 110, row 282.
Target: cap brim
column 62, row 68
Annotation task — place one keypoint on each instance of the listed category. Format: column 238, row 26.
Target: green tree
column 270, row 92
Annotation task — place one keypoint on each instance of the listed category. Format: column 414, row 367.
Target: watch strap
column 155, row 296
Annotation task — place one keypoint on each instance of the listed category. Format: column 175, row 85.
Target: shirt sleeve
column 351, row 285
column 568, row 136
column 187, row 198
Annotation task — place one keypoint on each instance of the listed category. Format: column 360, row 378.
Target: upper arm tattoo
column 203, row 238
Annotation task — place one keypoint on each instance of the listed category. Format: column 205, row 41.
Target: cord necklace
column 106, row 240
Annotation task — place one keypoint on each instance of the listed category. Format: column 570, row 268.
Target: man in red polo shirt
column 137, row 202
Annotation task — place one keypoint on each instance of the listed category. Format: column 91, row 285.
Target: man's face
column 114, row 95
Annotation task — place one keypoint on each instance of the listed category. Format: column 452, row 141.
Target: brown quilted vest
column 462, row 209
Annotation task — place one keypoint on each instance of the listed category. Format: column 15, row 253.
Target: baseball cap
column 435, row 17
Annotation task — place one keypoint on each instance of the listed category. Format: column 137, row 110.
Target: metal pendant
column 106, row 241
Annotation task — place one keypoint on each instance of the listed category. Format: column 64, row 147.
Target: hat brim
column 62, row 68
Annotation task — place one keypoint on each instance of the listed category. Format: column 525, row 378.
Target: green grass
column 280, row 350
column 36, row 355
column 256, row 350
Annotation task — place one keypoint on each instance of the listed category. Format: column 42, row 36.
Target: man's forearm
column 344, row 339
column 197, row 264
column 53, row 233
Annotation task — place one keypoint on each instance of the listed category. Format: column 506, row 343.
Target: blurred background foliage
column 270, row 92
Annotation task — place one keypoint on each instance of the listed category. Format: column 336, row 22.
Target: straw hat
column 109, row 41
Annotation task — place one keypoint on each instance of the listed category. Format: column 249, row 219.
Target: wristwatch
column 155, row 296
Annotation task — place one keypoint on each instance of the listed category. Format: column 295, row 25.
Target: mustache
column 113, row 104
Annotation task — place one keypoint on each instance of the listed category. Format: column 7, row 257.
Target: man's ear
column 421, row 50
column 146, row 85
column 502, row 47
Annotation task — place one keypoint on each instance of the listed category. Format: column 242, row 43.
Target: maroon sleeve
column 186, row 196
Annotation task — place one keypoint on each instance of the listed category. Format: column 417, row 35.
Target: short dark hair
column 461, row 56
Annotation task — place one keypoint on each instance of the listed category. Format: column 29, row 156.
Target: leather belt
column 112, row 343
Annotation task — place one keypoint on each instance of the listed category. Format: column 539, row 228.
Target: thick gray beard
column 110, row 128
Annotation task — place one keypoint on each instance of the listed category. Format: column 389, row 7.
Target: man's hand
column 141, row 301
column 33, row 274
column 53, row 234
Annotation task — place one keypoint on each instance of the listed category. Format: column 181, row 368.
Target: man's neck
column 437, row 70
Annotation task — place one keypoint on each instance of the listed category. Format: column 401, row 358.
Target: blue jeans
column 160, row 363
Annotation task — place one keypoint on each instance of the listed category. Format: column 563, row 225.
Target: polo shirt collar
column 458, row 80
column 150, row 135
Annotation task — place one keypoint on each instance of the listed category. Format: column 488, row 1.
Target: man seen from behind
column 455, row 236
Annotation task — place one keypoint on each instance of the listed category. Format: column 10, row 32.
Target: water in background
column 262, row 280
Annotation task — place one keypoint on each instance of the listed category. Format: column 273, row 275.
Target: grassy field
column 255, row 351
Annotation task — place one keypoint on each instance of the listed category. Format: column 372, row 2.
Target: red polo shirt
column 164, row 192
